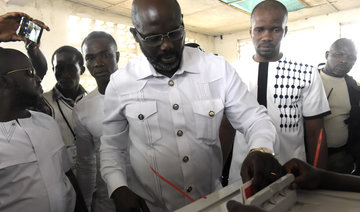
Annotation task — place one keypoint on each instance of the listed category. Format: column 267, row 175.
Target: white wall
column 326, row 29
column 55, row 14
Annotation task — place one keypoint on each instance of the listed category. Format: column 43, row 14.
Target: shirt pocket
column 208, row 115
column 143, row 121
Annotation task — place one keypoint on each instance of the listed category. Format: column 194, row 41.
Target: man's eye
column 107, row 54
column 153, row 39
column 89, row 58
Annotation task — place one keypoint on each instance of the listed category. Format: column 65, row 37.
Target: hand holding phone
column 30, row 30
column 9, row 24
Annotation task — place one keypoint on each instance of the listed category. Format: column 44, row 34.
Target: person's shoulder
column 86, row 100
column 42, row 118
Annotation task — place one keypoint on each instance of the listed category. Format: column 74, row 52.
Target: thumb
column 233, row 205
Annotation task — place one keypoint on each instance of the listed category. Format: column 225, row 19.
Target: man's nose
column 267, row 35
column 166, row 44
column 99, row 61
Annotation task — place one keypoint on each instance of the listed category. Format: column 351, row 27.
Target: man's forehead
column 97, row 45
column 153, row 13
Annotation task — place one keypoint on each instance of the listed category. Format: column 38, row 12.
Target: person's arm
column 312, row 136
column 9, row 23
column 309, row 177
column 86, row 159
column 80, row 205
column 251, row 119
column 113, row 153
column 37, row 58
column 227, row 136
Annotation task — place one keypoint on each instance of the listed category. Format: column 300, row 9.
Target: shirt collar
column 58, row 95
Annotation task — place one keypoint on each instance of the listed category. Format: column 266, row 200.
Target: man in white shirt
column 101, row 58
column 291, row 90
column 343, row 95
column 165, row 107
column 34, row 167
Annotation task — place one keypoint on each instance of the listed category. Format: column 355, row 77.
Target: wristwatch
column 262, row 149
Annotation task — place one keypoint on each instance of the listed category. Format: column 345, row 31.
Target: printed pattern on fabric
column 290, row 79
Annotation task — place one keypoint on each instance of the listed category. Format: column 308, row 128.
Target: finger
column 17, row 38
column 233, row 205
column 42, row 24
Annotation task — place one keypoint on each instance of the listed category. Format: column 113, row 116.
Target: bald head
column 11, row 59
column 270, row 5
column 154, row 12
column 339, row 43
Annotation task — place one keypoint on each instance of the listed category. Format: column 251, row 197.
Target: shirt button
column 211, row 113
column 141, row 116
column 189, row 189
column 171, row 83
column 185, row 159
column 179, row 133
column 175, row 106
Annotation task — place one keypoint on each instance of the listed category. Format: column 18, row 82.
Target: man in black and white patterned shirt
column 292, row 91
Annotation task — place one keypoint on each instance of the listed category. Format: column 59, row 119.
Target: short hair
column 134, row 11
column 273, row 4
column 69, row 49
column 99, row 34
column 341, row 42
column 9, row 59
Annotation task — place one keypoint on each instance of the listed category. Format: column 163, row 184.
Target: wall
column 55, row 14
column 326, row 29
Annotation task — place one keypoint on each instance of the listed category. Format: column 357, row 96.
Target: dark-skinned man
column 291, row 90
column 101, row 58
column 68, row 65
column 343, row 94
column 165, row 108
column 35, row 169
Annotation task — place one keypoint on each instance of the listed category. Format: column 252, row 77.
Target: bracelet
column 262, row 149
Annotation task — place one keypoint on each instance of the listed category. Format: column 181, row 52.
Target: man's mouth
column 170, row 58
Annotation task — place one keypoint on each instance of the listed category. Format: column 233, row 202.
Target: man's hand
column 10, row 22
column 306, row 176
column 127, row 201
column 263, row 168
column 234, row 206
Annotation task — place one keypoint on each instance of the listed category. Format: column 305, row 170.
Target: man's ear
column 82, row 70
column 327, row 54
column 117, row 56
column 5, row 82
column 134, row 32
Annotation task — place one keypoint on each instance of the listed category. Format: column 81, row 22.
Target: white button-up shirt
column 88, row 115
column 33, row 162
column 173, row 126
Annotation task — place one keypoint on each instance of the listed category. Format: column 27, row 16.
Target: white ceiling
column 212, row 17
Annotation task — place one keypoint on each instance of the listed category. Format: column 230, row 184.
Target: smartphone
column 29, row 30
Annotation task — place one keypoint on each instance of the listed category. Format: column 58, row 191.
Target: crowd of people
column 170, row 126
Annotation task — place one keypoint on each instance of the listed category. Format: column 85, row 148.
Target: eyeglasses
column 29, row 71
column 156, row 40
